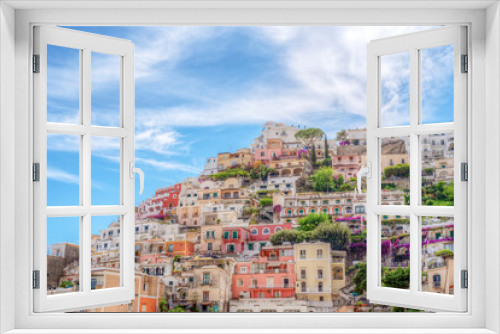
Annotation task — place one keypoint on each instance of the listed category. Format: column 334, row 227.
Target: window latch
column 364, row 171
column 132, row 171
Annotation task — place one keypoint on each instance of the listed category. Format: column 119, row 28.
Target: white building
column 268, row 305
column 285, row 184
column 210, row 167
column 272, row 130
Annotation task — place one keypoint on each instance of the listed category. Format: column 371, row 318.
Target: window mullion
column 414, row 168
column 86, row 180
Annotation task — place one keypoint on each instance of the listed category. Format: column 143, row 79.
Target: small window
column 319, row 253
column 303, row 253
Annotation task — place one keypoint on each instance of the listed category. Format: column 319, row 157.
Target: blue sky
column 204, row 90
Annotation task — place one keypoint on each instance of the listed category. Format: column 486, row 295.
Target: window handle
column 364, row 171
column 134, row 170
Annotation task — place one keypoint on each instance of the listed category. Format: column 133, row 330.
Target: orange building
column 182, row 248
column 149, row 290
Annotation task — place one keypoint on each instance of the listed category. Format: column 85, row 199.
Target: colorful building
column 181, row 248
column 313, row 264
column 234, row 239
column 227, row 160
column 270, row 275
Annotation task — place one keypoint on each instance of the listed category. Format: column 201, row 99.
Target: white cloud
column 324, row 70
column 164, row 165
column 62, row 176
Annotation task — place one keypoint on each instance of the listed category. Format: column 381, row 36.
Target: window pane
column 105, row 81
column 63, row 170
column 437, row 169
column 63, row 85
column 437, row 254
column 437, row 84
column 63, row 255
column 105, row 246
column 395, row 89
column 395, row 168
column 395, row 251
column 106, row 171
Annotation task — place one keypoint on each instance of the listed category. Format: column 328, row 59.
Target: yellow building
column 240, row 157
column 313, row 265
column 338, row 271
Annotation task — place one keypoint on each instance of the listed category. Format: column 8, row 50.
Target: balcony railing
column 275, row 286
column 316, row 290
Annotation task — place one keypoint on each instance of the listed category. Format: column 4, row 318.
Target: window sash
column 86, row 43
column 413, row 297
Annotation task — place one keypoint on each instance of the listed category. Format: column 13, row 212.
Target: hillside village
column 275, row 227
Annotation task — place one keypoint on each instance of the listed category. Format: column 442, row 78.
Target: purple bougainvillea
column 277, row 208
column 358, row 247
column 386, row 247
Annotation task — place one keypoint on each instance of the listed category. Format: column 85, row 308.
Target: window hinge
column 465, row 279
column 36, row 172
column 464, row 168
column 465, row 64
column 36, row 63
column 36, row 279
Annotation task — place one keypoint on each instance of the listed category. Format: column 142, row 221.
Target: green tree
column 163, row 305
column 328, row 159
column 323, row 180
column 177, row 309
column 309, row 136
column 313, row 155
column 266, row 201
column 360, row 279
column 396, row 278
column 335, row 234
column 280, row 237
column 311, row 221
column 341, row 135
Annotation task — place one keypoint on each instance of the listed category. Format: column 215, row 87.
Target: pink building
column 153, row 258
column 271, row 275
column 263, row 232
column 234, row 239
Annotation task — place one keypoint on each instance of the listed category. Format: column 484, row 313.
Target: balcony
column 207, row 283
column 270, row 271
column 275, row 286
column 316, row 290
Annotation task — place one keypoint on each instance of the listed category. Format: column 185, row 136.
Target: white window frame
column 412, row 44
column 86, row 43
column 483, row 99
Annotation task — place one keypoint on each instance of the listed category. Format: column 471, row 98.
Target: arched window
column 277, row 229
column 289, row 212
column 255, row 231
column 265, row 230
